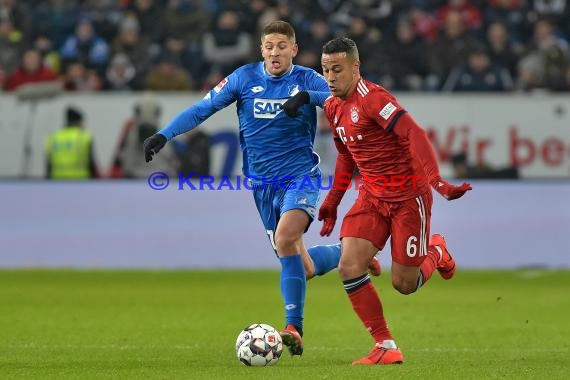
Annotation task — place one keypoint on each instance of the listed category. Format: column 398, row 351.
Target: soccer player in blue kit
column 278, row 158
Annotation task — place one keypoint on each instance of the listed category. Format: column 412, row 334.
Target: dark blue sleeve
column 221, row 96
column 318, row 97
column 317, row 88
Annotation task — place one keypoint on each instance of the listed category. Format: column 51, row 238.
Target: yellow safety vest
column 68, row 152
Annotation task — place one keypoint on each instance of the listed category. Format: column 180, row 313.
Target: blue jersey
column 272, row 143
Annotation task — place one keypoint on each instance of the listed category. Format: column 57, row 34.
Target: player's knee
column 349, row 270
column 404, row 286
column 285, row 241
column 343, row 270
column 284, row 246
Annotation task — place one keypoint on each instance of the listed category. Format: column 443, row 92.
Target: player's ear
column 356, row 67
column 295, row 50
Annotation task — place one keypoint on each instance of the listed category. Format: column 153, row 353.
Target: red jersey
column 364, row 122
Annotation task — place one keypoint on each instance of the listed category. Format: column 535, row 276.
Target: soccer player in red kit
column 375, row 134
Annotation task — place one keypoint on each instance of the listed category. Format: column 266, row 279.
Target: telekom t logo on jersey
column 342, row 135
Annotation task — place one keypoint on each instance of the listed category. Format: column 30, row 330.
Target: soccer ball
column 259, row 345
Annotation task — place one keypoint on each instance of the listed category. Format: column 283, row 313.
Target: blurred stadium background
column 488, row 79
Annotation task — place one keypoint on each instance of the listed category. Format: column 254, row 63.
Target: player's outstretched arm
column 221, row 96
column 422, row 151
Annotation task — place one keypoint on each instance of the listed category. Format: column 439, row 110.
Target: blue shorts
column 275, row 198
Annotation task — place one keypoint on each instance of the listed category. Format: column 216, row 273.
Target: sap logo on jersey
column 267, row 108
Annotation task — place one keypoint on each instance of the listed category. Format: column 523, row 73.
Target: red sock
column 428, row 265
column 367, row 305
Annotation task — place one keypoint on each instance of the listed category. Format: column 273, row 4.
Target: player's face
column 341, row 72
column 278, row 52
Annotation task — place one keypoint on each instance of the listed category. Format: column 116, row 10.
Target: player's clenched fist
column 292, row 105
column 449, row 191
column 327, row 214
column 153, row 145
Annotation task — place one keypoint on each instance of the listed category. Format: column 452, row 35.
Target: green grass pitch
column 183, row 325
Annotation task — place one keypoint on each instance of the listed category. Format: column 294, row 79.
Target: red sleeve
column 383, row 108
column 328, row 111
column 390, row 115
column 343, row 173
column 345, row 164
column 420, row 146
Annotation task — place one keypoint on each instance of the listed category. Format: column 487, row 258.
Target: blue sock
column 293, row 286
column 325, row 257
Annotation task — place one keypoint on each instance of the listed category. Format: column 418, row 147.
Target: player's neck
column 352, row 88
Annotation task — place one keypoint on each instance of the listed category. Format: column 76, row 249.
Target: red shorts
column 407, row 222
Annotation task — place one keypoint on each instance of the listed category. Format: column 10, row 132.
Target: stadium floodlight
column 34, row 93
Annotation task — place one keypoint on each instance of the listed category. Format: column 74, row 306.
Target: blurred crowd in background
column 190, row 45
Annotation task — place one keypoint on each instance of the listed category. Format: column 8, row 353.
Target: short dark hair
column 279, row 27
column 341, row 45
column 73, row 115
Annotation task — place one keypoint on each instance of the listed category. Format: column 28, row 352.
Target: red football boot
column 446, row 266
column 379, row 355
column 292, row 339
